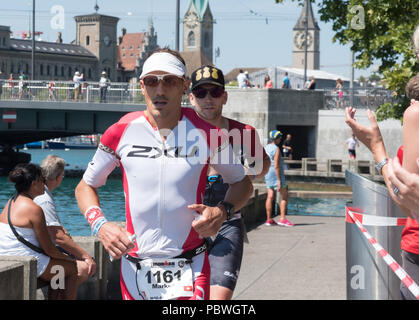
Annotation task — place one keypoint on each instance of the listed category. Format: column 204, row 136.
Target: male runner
column 226, row 251
column 164, row 153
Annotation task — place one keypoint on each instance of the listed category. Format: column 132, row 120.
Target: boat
column 76, row 142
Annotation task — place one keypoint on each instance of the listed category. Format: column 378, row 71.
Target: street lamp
column 177, row 25
column 33, row 41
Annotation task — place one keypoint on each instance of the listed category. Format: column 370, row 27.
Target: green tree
column 379, row 30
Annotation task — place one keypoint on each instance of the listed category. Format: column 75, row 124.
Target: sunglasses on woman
column 201, row 93
column 152, row 80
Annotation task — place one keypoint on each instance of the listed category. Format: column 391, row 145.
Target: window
column 131, row 55
column 87, row 40
column 90, row 73
column 123, row 47
column 191, row 39
column 55, row 70
column 48, row 70
column 62, row 71
column 131, row 47
column 41, row 69
column 70, row 73
column 123, row 56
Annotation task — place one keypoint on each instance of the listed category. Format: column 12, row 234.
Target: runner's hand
column 408, row 185
column 210, row 219
column 115, row 240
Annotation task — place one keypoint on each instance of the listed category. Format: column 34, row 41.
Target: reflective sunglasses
column 201, row 93
column 152, row 80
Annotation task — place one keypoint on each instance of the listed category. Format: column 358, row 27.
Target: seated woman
column 28, row 220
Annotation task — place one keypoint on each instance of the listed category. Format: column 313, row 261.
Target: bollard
column 367, row 276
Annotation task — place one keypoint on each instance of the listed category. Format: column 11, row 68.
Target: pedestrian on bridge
column 104, row 82
column 77, row 79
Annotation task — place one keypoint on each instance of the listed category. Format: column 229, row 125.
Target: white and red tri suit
column 160, row 179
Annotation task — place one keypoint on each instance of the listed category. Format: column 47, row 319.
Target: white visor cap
column 163, row 61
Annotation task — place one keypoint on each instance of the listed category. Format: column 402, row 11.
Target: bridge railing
column 67, row 91
column 363, row 98
column 330, row 168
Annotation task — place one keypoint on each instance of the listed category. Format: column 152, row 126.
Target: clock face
column 191, row 20
column 106, row 40
column 299, row 40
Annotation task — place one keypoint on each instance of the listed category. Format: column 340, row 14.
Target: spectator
column 53, row 172
column 242, row 79
column 351, row 144
column 248, row 84
column 339, row 90
column 77, row 79
column 22, row 217
column 51, row 90
column 287, row 148
column 286, row 82
column 311, row 85
column 103, row 86
column 275, row 181
column 11, row 86
column 402, row 182
column 268, row 82
column 23, row 85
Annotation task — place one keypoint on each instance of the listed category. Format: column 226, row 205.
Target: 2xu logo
column 156, row 152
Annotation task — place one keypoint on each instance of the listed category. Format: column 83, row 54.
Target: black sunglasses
column 201, row 93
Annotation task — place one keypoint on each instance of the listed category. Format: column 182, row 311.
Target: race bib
column 164, row 279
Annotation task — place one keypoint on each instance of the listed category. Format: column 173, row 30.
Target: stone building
column 97, row 33
column 133, row 49
column 53, row 59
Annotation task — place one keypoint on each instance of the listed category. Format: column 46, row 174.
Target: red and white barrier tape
column 377, row 221
column 388, row 259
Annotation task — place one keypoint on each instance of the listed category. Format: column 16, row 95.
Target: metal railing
column 67, row 91
column 363, row 98
column 330, row 168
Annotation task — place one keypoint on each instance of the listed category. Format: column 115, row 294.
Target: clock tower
column 198, row 28
column 313, row 40
column 98, row 34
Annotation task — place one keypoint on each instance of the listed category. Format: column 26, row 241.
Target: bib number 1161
column 166, row 276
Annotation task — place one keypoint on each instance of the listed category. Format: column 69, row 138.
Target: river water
column 112, row 195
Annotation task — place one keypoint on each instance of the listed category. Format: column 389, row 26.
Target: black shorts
column 225, row 254
column 352, row 152
column 410, row 264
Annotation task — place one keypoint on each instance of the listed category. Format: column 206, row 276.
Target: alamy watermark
column 58, row 20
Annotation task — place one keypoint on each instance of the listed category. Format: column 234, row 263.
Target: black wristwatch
column 229, row 208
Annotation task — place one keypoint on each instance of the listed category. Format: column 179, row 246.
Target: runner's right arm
column 114, row 238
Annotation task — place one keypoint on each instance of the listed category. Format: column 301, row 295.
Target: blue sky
column 249, row 33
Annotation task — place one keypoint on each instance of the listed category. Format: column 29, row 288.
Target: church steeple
column 198, row 28
column 312, row 22
column 313, row 39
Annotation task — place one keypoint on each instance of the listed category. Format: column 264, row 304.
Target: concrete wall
column 267, row 109
column 333, row 132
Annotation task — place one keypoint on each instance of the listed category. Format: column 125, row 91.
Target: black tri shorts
column 225, row 251
column 225, row 254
